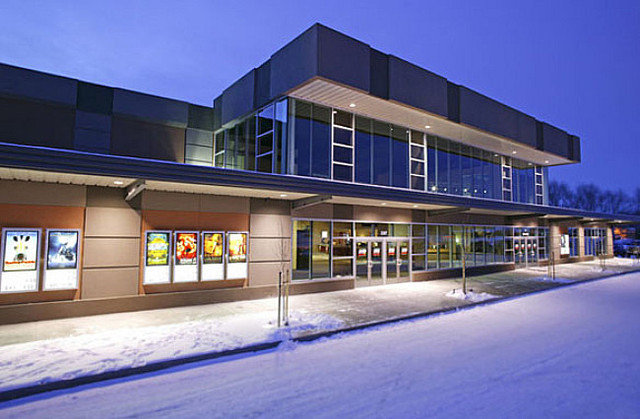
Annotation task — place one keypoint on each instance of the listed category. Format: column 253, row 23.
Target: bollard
column 279, row 298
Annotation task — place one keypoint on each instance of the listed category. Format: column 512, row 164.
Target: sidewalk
column 63, row 353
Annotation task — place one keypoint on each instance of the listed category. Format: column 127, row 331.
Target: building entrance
column 382, row 261
column 525, row 251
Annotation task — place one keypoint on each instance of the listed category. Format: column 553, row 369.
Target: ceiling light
column 514, row 152
column 546, row 161
column 384, row 203
column 118, row 182
column 427, row 126
column 283, row 195
column 415, row 206
column 352, row 105
column 530, row 164
column 495, row 155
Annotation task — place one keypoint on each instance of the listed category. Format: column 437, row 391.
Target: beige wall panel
column 265, row 273
column 220, row 203
column 315, row 211
column 382, row 214
column 112, row 222
column 269, row 250
column 170, row 201
column 106, row 197
column 102, row 283
column 266, row 225
column 111, row 252
column 33, row 193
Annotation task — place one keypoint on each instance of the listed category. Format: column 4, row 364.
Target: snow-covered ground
column 64, row 358
column 571, row 352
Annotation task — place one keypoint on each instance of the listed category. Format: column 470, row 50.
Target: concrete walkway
column 358, row 307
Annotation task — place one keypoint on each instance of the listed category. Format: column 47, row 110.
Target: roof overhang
column 40, row 164
column 332, row 94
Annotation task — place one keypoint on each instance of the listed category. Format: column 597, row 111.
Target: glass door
column 370, row 263
column 362, row 263
column 376, row 263
column 519, row 251
column 532, row 250
column 403, row 261
column 392, row 262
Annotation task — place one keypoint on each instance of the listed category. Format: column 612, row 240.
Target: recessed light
column 384, row 203
column 514, row 152
column 352, row 105
column 530, row 164
column 118, row 182
column 495, row 155
column 283, row 195
column 427, row 126
column 415, row 206
column 546, row 161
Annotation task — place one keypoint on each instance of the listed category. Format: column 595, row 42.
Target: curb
column 22, row 392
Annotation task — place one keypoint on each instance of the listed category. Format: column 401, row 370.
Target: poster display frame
column 166, row 267
column 46, row 261
column 237, row 270
column 203, row 270
column 185, row 268
column 3, row 244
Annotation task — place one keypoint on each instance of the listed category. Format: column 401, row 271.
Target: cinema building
column 332, row 161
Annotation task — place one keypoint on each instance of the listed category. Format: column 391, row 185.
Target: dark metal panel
column 200, row 117
column 238, row 99
column 16, row 81
column 555, row 140
column 575, row 143
column 136, row 138
column 295, row 63
column 379, row 74
column 417, row 87
column 151, row 108
column 94, row 98
column 343, row 59
column 482, row 112
column 36, row 123
column 262, row 88
column 453, row 102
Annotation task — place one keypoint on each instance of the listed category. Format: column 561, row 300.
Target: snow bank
column 66, row 358
column 474, row 297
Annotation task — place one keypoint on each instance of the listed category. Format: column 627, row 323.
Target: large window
column 595, row 241
column 332, row 143
column 257, row 142
column 574, row 240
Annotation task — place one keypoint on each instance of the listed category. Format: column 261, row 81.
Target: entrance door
column 519, row 251
column 397, row 261
column 525, row 251
column 370, row 263
column 382, row 261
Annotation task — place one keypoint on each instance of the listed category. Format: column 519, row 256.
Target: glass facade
column 574, row 240
column 595, row 241
column 257, row 142
column 326, row 249
column 333, row 144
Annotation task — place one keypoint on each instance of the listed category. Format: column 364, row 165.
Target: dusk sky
column 574, row 64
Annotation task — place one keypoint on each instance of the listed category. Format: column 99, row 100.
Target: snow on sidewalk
column 572, row 352
column 65, row 358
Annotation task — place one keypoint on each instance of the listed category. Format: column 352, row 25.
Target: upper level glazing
column 300, row 138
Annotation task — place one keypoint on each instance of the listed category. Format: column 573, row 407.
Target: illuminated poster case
column 62, row 255
column 185, row 256
column 237, row 251
column 20, row 260
column 213, row 252
column 157, row 257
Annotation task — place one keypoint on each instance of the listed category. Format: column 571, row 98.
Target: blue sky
column 574, row 64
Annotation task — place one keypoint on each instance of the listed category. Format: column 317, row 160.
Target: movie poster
column 237, row 247
column 62, row 249
column 186, row 248
column 20, row 251
column 212, row 248
column 157, row 248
